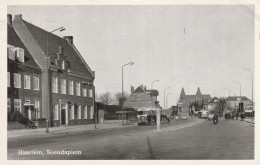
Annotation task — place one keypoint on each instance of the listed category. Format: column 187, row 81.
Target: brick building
column 66, row 82
column 142, row 98
column 23, row 77
column 185, row 100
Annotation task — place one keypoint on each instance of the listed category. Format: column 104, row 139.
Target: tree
column 105, row 98
column 118, row 97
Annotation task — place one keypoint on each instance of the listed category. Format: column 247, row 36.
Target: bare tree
column 118, row 96
column 105, row 98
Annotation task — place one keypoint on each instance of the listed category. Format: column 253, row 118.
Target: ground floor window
column 55, row 112
column 79, row 112
column 85, row 112
column 37, row 109
column 8, row 105
column 91, row 112
column 17, row 105
column 71, row 109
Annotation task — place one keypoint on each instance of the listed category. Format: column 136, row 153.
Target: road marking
column 184, row 126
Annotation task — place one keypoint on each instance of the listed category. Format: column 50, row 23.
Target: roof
column 153, row 92
column 198, row 91
column 234, row 98
column 182, row 92
column 48, row 44
column 14, row 40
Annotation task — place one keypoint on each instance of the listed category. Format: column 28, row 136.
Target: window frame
column 78, row 85
column 63, row 86
column 19, row 80
column 19, row 106
column 71, row 87
column 36, row 83
column 55, row 85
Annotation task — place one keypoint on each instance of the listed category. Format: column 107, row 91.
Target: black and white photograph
column 131, row 82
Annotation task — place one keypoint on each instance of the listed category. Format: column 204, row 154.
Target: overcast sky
column 182, row 46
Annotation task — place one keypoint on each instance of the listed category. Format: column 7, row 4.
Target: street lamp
column 167, row 99
column 130, row 63
column 164, row 96
column 48, row 114
column 252, row 91
column 228, row 91
column 153, row 82
column 239, row 84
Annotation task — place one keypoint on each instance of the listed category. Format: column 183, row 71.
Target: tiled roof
column 153, row 92
column 234, row 98
column 51, row 42
column 14, row 40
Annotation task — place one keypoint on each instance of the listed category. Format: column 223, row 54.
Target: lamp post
column 153, row 82
column 47, row 53
column 252, row 91
column 239, row 84
column 167, row 99
column 228, row 91
column 164, row 96
column 130, row 63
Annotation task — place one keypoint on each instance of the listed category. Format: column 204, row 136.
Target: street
column 199, row 139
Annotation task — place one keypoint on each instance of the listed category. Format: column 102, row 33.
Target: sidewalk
column 67, row 129
column 249, row 120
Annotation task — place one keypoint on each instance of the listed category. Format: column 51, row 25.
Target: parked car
column 184, row 117
column 203, row 114
column 211, row 115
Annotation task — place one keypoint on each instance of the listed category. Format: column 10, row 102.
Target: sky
column 187, row 46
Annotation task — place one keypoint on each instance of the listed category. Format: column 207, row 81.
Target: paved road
column 190, row 140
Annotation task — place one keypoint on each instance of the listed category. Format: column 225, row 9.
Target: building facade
column 66, row 81
column 232, row 103
column 23, row 78
column 142, row 98
column 185, row 101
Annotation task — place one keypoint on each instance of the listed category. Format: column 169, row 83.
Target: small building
column 142, row 98
column 233, row 102
column 213, row 104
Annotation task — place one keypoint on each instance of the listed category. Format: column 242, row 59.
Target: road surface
column 199, row 139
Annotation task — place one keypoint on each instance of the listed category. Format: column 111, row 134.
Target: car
column 184, row 117
column 211, row 115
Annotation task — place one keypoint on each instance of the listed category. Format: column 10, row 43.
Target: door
column 63, row 116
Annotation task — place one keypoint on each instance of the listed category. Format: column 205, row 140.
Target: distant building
column 142, row 98
column 233, row 102
column 185, row 100
column 213, row 104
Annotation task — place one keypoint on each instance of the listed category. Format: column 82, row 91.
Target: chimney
column 69, row 38
column 132, row 89
column 9, row 19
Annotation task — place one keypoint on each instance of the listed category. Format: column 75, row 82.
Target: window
column 79, row 112
column 10, row 52
column 17, row 105
column 8, row 79
column 55, row 112
column 85, row 112
column 63, row 86
column 77, row 88
column 27, row 84
column 71, row 108
column 8, row 105
column 63, row 65
column 17, row 80
column 54, row 84
column 71, row 88
column 91, row 112
column 37, row 108
column 90, row 93
column 84, row 92
column 36, row 82
column 19, row 54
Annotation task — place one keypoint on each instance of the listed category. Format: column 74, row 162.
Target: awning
column 248, row 110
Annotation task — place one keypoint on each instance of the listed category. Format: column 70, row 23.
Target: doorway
column 63, row 116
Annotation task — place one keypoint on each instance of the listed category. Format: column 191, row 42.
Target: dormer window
column 19, row 54
column 11, row 52
column 61, row 50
